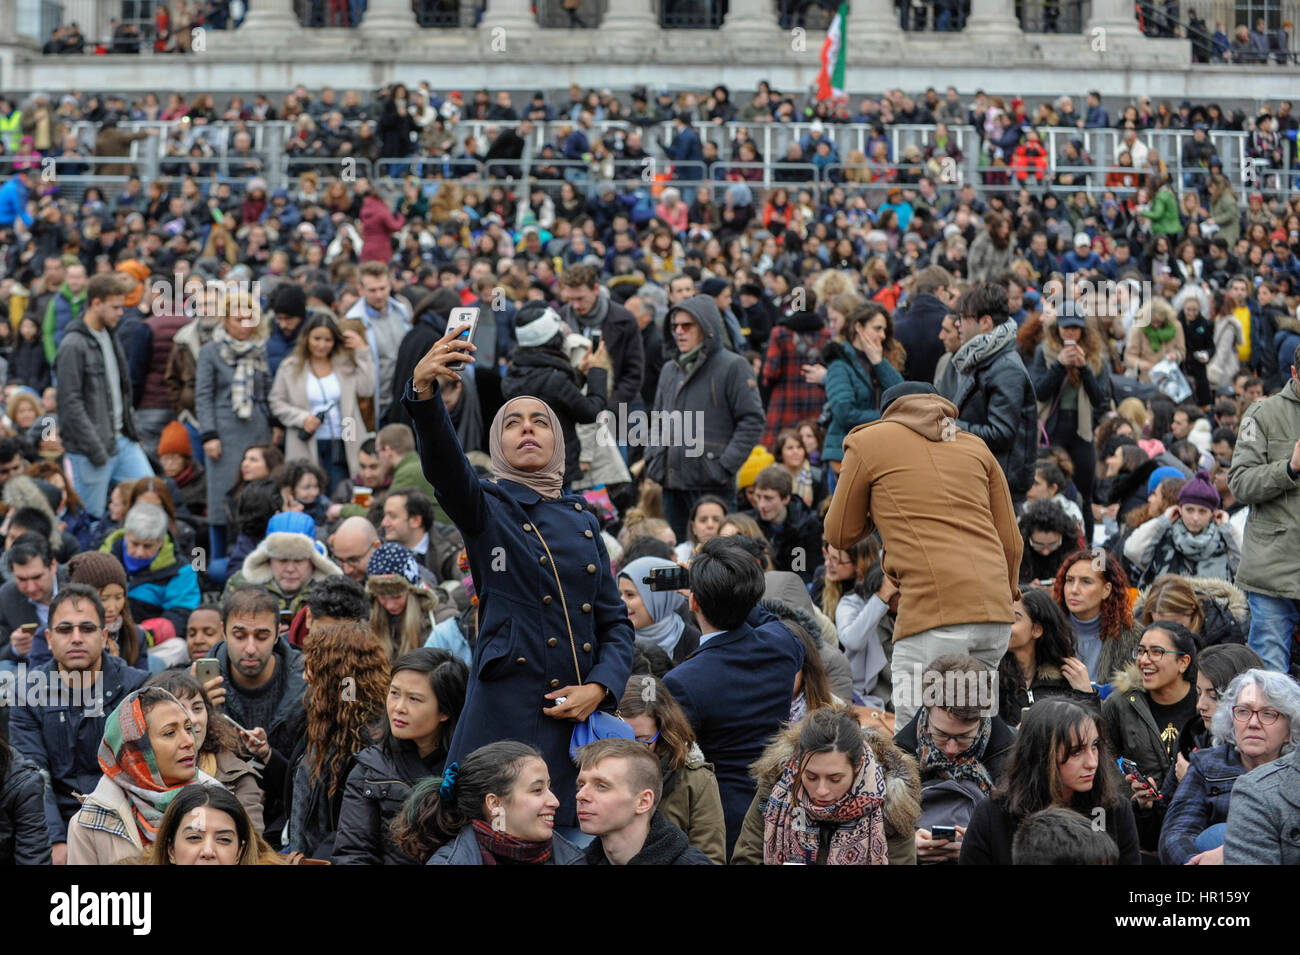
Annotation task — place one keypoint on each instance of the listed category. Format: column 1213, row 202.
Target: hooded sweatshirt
column 944, row 512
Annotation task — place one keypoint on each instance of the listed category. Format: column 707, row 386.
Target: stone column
column 631, row 15
column 510, row 15
column 1116, row 20
column 993, row 20
column 752, row 18
column 873, row 21
column 268, row 19
column 388, row 19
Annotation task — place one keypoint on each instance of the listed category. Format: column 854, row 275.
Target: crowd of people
column 483, row 528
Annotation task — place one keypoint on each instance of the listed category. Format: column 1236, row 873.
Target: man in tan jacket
column 943, row 509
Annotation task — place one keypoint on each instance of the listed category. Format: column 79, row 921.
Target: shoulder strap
column 563, row 603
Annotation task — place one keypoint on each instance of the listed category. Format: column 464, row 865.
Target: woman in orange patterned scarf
column 148, row 756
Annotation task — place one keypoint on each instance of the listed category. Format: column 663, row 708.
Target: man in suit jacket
column 736, row 688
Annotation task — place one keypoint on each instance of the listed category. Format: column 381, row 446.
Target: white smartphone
column 466, row 319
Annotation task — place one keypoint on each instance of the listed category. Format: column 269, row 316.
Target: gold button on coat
column 552, row 642
column 586, row 648
column 554, row 684
column 547, row 600
column 528, row 528
column 586, row 608
column 521, row 661
column 587, row 532
column 591, row 568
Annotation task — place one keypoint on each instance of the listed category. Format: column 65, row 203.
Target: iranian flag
column 830, row 81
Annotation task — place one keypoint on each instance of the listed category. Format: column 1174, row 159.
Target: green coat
column 410, row 473
column 1163, row 214
column 1270, row 549
column 694, row 805
column 1227, row 213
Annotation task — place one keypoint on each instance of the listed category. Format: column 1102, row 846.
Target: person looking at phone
column 961, row 749
column 262, row 681
column 1152, row 700
column 25, row 600
column 1061, row 758
column 1193, row 538
column 63, row 740
column 562, row 632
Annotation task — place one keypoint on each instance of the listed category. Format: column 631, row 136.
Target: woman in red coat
column 378, row 223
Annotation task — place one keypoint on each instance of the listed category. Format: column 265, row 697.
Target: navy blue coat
column 523, row 648
column 736, row 690
column 63, row 737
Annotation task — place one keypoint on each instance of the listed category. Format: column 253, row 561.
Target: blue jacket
column 1097, row 118
column 1071, row 263
column 853, row 391
column 463, row 850
column 62, row 738
column 736, row 691
column 168, row 587
column 686, row 147
column 1200, row 802
column 13, row 203
column 278, row 345
column 523, row 650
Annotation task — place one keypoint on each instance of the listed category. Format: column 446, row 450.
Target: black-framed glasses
column 85, row 627
column 1267, row 717
column 964, row 740
column 360, row 561
column 1156, row 654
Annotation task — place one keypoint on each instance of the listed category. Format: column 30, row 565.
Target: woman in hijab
column 656, row 614
column 148, row 755
column 555, row 643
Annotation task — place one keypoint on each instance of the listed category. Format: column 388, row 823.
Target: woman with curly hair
column 346, row 671
column 1050, row 535
column 1092, row 589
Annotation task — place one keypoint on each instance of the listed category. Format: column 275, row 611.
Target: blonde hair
column 1134, row 412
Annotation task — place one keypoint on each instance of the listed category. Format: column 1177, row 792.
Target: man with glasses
column 995, row 399
column 61, row 731
column 352, row 544
column 96, row 411
column 957, row 739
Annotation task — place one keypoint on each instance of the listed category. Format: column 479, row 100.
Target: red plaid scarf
column 497, row 846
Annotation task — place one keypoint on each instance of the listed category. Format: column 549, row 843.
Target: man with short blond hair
column 620, row 785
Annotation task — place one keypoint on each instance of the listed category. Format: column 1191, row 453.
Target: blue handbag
column 598, row 725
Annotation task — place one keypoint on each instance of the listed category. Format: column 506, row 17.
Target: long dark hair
column 447, row 678
column 427, row 822
column 827, row 730
column 648, row 696
column 1218, row 664
column 1051, row 731
column 315, row 320
column 270, row 454
column 195, row 797
column 1056, row 644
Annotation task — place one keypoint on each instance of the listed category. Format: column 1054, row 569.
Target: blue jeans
column 1212, row 837
column 195, row 444
column 333, row 460
column 1272, row 622
column 127, row 463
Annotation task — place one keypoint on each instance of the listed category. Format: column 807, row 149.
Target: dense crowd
column 879, row 523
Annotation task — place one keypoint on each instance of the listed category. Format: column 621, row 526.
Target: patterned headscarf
column 968, row 764
column 127, row 758
column 792, row 822
column 547, row 481
column 393, row 560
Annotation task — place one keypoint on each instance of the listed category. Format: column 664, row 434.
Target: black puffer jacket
column 996, row 403
column 545, row 373
column 664, row 844
column 24, row 839
column 376, row 788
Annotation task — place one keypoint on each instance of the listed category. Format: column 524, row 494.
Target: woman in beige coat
column 316, row 390
column 1156, row 335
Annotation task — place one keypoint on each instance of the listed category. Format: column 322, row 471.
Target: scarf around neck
column 965, row 765
column 593, row 319
column 548, row 481
column 1206, row 550
column 661, row 605
column 792, row 823
column 247, row 358
column 1158, row 337
column 982, row 347
column 127, row 758
column 495, row 847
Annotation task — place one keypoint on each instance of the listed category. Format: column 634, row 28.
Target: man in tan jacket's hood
column 943, row 509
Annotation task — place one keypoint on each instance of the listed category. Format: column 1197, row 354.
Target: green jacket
column 1270, row 549
column 1163, row 214
column 410, row 473
column 64, row 308
column 1227, row 213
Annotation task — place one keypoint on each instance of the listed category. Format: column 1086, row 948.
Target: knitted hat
column 96, row 569
column 1199, row 490
column 393, row 560
column 713, row 287
column 759, row 458
column 1160, row 474
column 536, row 324
column 175, row 440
